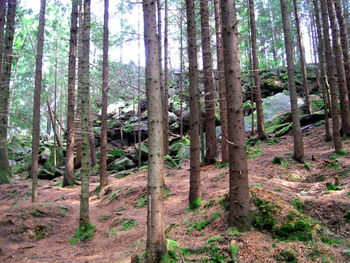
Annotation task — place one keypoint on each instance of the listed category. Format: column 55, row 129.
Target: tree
column 68, row 178
column 210, row 128
column 302, row 57
column 322, row 63
column 239, row 211
column 166, row 79
column 331, row 78
column 221, row 81
column 339, row 62
column 156, row 246
column 5, row 75
column 257, row 93
column 84, row 220
column 37, row 103
column 195, row 177
column 344, row 41
column 105, row 84
column 298, row 141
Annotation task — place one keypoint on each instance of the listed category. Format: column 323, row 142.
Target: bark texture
column 5, row 75
column 105, row 84
column 339, row 62
column 331, row 78
column 195, row 177
column 298, row 140
column 155, row 247
column 239, row 211
column 210, row 131
column 37, row 103
column 68, row 178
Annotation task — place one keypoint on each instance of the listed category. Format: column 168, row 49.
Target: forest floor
column 42, row 232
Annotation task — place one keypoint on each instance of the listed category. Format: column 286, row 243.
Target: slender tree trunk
column 210, row 128
column 166, row 80
column 84, row 220
column 331, row 78
column 339, row 62
column 195, row 177
column 181, row 73
column 344, row 38
column 68, row 178
column 156, row 246
column 37, row 103
column 221, row 81
column 139, row 90
column 257, row 93
column 298, row 140
column 92, row 140
column 239, row 211
column 302, row 57
column 52, row 119
column 5, row 74
column 322, row 62
column 105, row 84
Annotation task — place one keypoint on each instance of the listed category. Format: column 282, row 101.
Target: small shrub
column 263, row 216
column 340, row 153
column 331, row 187
column 83, row 234
column 298, row 204
column 142, row 201
column 128, row 224
column 299, row 231
column 195, row 204
column 308, row 166
column 233, row 250
column 286, row 256
column 277, row 160
column 334, row 165
column 215, row 239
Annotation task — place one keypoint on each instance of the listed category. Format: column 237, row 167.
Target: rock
column 121, row 164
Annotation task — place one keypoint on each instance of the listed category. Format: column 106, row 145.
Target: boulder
column 120, row 164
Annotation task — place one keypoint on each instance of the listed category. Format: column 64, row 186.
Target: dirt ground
column 41, row 232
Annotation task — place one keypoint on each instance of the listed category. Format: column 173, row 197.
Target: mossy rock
column 121, row 164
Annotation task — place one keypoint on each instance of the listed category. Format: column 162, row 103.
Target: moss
column 200, row 225
column 347, row 216
column 338, row 154
column 286, row 256
column 301, row 230
column 331, row 241
column 334, row 165
column 215, row 239
column 233, row 251
column 277, row 160
column 224, row 202
column 195, row 204
column 331, row 187
column 298, row 204
column 82, row 234
column 128, row 224
column 308, row 166
column 263, row 216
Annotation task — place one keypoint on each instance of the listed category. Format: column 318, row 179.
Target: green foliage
column 116, row 153
column 220, row 165
column 332, row 187
column 277, row 160
column 253, row 153
column 82, row 234
column 263, row 216
column 218, row 177
column 142, row 201
column 331, row 241
column 286, row 256
column 105, row 217
column 301, row 230
column 234, row 251
column 298, row 204
column 334, row 165
column 200, row 225
column 215, row 239
column 195, row 204
column 166, row 192
column 340, row 153
column 233, row 232
column 347, row 216
column 171, row 162
column 128, row 224
column 272, row 141
column 308, row 166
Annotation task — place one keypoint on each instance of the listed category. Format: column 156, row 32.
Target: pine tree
column 156, row 246
column 239, row 199
column 298, row 141
column 37, row 103
column 68, row 178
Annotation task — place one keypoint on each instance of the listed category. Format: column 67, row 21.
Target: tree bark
column 5, row 74
column 166, row 80
column 344, row 38
column 239, row 211
column 322, row 62
column 210, row 128
column 298, row 141
column 221, row 81
column 84, row 219
column 257, row 93
column 302, row 57
column 52, row 119
column 155, row 247
column 339, row 62
column 37, row 103
column 331, row 78
column 105, row 86
column 195, row 177
column 68, row 178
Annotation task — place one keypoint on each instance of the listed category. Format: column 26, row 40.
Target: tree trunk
column 166, row 81
column 195, row 178
column 84, row 220
column 221, row 81
column 239, row 211
column 139, row 154
column 156, row 246
column 37, row 103
column 92, row 141
column 322, row 62
column 52, row 119
column 257, row 93
column 302, row 57
column 344, row 38
column 210, row 128
column 105, row 86
column 68, row 178
column 331, row 78
column 5, row 74
column 298, row 140
column 339, row 62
